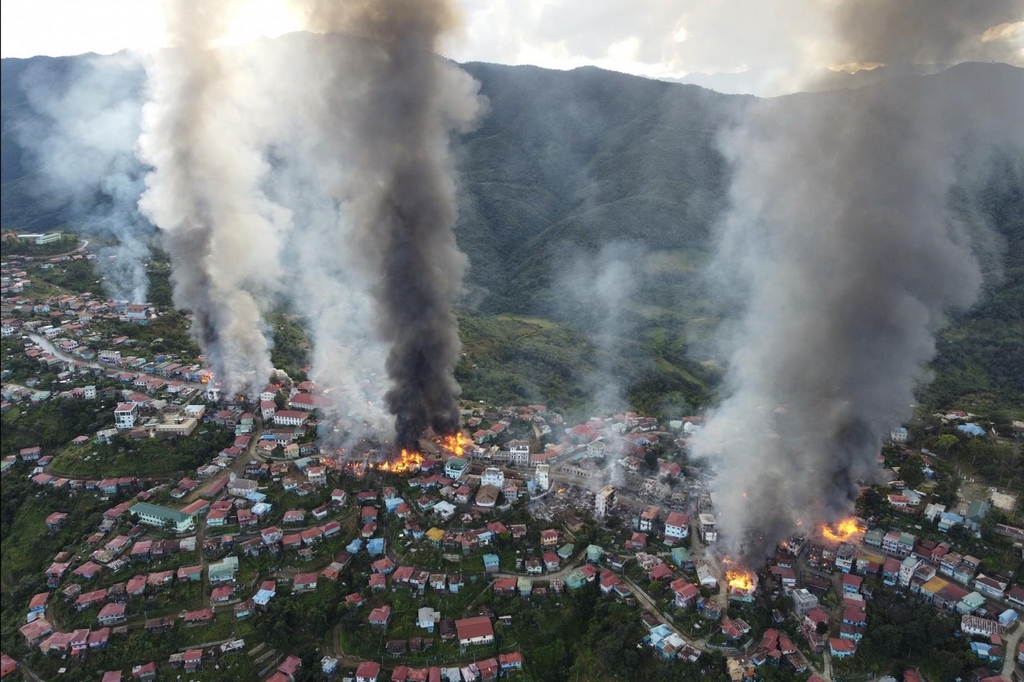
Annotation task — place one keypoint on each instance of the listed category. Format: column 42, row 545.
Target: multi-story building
column 519, row 452
column 803, row 602
column 604, row 502
column 543, row 476
column 677, row 526
column 125, row 415
column 907, row 570
column 708, row 528
column 455, row 467
column 493, row 476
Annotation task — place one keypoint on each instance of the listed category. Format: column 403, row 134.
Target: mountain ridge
column 578, row 171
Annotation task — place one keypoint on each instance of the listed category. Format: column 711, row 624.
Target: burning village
column 432, row 341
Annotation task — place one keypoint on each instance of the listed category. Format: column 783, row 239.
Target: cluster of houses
column 932, row 571
column 485, row 670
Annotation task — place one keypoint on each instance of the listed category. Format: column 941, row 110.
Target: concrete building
column 163, row 517
column 126, row 415
column 708, row 528
column 543, row 476
column 907, row 570
column 519, row 452
column 455, row 467
column 604, row 502
column 803, row 602
column 677, row 526
column 493, row 476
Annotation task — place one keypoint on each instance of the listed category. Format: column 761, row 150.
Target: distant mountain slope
column 573, row 173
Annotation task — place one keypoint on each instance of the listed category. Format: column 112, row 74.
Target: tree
column 912, row 471
column 947, row 490
column 945, row 442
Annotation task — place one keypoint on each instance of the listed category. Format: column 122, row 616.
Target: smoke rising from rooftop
column 392, row 109
column 840, row 238
column 203, row 192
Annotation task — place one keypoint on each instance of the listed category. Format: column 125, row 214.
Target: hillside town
column 185, row 527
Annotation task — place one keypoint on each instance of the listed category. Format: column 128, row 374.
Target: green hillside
column 573, row 174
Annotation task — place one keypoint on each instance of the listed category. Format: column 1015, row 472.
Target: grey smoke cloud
column 81, row 137
column 204, row 193
column 392, row 108
column 596, row 292
column 840, row 237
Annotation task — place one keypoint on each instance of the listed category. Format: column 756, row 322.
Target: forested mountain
column 588, row 204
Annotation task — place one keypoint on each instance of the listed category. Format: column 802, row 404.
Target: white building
column 111, row 357
column 90, row 393
column 708, row 528
column 125, row 415
column 493, row 476
column 290, row 418
column 455, row 467
column 803, row 602
column 604, row 502
column 163, row 517
column 519, row 452
column 677, row 526
column 898, row 435
column 907, row 570
column 543, row 476
column 43, row 238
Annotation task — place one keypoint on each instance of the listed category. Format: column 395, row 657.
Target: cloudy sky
column 749, row 45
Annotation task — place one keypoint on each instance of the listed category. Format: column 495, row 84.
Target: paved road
column 1010, row 650
column 50, row 348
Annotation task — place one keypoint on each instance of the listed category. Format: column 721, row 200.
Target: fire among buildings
column 741, row 583
column 843, row 531
column 456, row 443
column 407, row 461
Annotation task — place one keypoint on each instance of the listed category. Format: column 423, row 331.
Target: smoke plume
column 81, row 136
column 393, row 108
column 204, row 193
column 840, row 240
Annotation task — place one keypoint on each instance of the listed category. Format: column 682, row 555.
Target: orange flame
column 740, row 581
column 407, row 461
column 842, row 531
column 456, row 443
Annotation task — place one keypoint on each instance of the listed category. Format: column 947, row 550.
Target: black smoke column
column 399, row 104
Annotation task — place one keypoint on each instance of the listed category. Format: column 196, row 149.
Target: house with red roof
column 304, row 582
column 35, row 631
column 221, row 594
column 477, row 630
column 686, row 593
column 367, row 671
column 380, row 616
column 852, row 583
column 200, row 617
column 637, row 542
column 111, row 614
column 55, row 521
column 842, row 648
column 289, row 666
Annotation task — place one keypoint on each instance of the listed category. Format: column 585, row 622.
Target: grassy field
column 222, row 627
column 98, row 461
column 28, row 546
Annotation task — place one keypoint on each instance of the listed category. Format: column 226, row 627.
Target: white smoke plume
column 81, row 136
column 840, row 237
column 205, row 193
